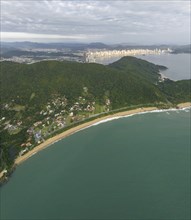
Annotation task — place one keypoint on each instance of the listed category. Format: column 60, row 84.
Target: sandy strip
column 184, row 105
column 75, row 129
column 2, row 173
column 85, row 125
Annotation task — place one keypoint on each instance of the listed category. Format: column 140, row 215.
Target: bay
column 130, row 168
column 179, row 65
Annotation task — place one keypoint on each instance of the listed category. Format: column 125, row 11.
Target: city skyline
column 135, row 22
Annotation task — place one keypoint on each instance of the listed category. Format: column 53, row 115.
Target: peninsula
column 50, row 100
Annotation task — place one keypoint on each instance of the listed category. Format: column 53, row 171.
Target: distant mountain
column 98, row 45
column 32, row 45
column 182, row 49
column 78, row 46
column 37, row 98
column 9, row 48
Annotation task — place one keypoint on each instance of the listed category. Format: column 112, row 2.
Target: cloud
column 107, row 21
column 20, row 36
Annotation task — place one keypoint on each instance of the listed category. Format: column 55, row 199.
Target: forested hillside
column 42, row 98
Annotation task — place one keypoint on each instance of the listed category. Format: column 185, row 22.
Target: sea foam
column 186, row 109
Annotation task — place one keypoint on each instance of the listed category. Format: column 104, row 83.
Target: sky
column 127, row 21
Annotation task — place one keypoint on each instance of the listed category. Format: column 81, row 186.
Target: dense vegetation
column 27, row 91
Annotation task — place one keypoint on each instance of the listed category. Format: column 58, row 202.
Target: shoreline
column 77, row 128
column 88, row 124
column 85, row 125
column 184, row 105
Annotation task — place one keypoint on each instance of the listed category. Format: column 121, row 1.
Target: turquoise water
column 131, row 168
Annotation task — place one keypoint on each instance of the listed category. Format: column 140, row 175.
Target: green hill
column 40, row 99
column 138, row 68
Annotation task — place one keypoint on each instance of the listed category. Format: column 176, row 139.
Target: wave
column 32, row 154
column 186, row 109
column 106, row 120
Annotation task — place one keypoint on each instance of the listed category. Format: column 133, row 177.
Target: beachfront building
column 92, row 55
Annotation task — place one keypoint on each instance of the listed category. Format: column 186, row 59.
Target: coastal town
column 34, row 55
column 57, row 114
column 92, row 55
column 42, row 54
column 26, row 123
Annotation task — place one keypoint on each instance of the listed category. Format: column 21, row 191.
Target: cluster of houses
column 11, row 127
column 56, row 114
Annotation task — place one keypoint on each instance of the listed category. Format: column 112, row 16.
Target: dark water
column 131, row 168
column 179, row 65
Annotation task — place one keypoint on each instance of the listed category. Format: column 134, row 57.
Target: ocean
column 135, row 167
